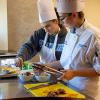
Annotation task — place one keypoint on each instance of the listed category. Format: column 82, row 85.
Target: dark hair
column 59, row 22
column 81, row 14
column 57, row 13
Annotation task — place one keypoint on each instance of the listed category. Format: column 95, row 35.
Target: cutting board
column 42, row 92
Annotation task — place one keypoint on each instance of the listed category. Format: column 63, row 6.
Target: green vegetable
column 26, row 65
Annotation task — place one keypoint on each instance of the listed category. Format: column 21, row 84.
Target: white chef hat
column 46, row 10
column 69, row 6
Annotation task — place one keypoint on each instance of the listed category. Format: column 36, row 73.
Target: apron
column 47, row 55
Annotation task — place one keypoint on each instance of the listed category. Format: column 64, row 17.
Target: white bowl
column 43, row 78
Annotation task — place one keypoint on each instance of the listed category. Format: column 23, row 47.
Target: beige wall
column 22, row 21
column 92, row 11
column 3, row 25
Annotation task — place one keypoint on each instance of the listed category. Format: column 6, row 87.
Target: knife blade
column 42, row 85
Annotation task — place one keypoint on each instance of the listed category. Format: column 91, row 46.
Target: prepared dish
column 56, row 93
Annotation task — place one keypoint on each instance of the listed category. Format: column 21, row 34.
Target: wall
column 22, row 21
column 92, row 11
column 3, row 25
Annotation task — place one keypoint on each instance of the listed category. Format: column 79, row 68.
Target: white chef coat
column 82, row 50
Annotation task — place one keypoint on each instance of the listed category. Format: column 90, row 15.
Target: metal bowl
column 44, row 77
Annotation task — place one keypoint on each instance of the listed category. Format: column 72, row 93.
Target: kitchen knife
column 43, row 85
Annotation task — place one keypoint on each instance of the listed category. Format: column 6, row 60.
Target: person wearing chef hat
column 48, row 41
column 81, row 54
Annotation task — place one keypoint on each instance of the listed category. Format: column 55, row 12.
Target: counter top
column 13, row 89
column 4, row 54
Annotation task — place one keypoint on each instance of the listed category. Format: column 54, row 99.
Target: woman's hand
column 19, row 62
column 68, row 75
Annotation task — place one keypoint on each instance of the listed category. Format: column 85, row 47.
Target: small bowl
column 26, row 76
column 43, row 77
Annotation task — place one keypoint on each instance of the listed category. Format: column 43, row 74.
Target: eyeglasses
column 62, row 18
